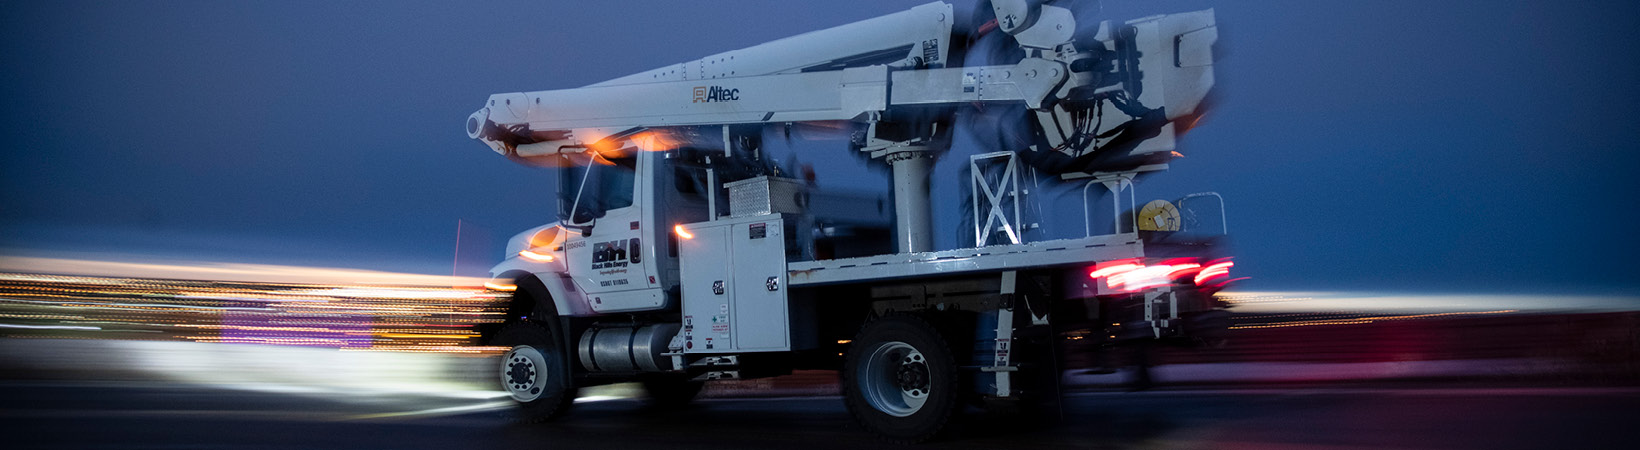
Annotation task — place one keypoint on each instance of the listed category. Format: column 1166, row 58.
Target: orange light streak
column 533, row 256
column 500, row 287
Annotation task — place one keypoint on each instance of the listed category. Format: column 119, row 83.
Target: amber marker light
column 682, row 233
column 533, row 256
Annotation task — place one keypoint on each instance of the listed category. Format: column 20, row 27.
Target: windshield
column 587, row 189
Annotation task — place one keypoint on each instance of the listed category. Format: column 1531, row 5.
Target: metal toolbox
column 734, row 286
column 766, row 195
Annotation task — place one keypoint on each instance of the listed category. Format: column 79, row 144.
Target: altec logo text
column 708, row 94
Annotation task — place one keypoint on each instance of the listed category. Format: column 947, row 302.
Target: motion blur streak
column 1362, row 320
column 500, row 287
column 1131, row 275
column 345, row 316
column 1214, row 270
column 533, row 256
column 654, row 141
column 1112, row 270
column 205, row 270
column 48, row 327
column 1256, row 303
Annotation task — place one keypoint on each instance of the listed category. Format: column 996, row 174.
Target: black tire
column 539, row 383
column 893, row 360
column 669, row 391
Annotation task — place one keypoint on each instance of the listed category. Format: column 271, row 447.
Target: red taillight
column 1219, row 268
column 1114, row 270
column 1182, row 269
column 1141, row 278
column 1131, row 275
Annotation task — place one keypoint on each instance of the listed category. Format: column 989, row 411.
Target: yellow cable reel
column 1159, row 215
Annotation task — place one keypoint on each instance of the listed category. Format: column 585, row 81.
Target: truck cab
column 610, row 206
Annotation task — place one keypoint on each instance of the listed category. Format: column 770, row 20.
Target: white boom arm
column 865, row 69
column 1103, row 102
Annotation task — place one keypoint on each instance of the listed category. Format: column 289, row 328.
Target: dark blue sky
column 1402, row 145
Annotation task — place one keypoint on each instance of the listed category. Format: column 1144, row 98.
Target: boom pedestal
column 911, row 216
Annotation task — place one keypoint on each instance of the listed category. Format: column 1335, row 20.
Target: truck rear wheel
column 900, row 379
column 534, row 372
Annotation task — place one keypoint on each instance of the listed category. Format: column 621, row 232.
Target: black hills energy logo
column 615, row 254
column 710, row 94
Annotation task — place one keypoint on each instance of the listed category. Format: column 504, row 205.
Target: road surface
column 173, row 416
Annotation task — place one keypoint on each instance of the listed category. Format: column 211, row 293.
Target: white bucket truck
column 683, row 255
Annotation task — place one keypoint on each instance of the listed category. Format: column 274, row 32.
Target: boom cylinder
column 911, row 212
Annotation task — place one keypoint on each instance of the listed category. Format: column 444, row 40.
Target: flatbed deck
column 1086, row 250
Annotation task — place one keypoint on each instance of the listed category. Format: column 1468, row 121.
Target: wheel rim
column 523, row 373
column 894, row 379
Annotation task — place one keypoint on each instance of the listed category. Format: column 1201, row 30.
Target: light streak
column 49, row 327
column 1133, row 276
column 1214, row 270
column 499, row 286
column 1363, row 320
column 1114, row 270
column 423, row 336
column 533, row 256
column 439, row 411
column 1141, row 278
column 400, row 293
column 682, row 232
column 1180, row 268
column 67, row 270
column 1232, row 280
column 345, row 316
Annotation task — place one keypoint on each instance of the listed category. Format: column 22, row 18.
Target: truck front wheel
column 900, row 379
column 534, row 371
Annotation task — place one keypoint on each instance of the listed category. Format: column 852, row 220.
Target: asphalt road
column 165, row 416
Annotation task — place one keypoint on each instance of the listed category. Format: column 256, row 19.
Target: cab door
column 602, row 204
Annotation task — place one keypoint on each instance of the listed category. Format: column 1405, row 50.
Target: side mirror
column 585, row 230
